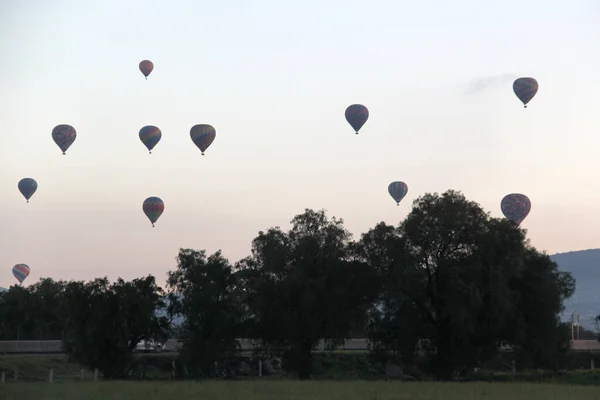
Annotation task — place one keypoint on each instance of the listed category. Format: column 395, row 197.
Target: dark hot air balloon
column 146, row 67
column 357, row 115
column 153, row 208
column 27, row 187
column 515, row 207
column 525, row 89
column 64, row 136
column 397, row 190
column 21, row 271
column 150, row 136
column 203, row 135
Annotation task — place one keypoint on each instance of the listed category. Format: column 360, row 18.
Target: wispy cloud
column 481, row 84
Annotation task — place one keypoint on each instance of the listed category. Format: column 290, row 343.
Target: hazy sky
column 274, row 78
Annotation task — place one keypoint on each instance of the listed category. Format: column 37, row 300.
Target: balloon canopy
column 398, row 190
column 153, row 207
column 515, row 207
column 64, row 136
column 525, row 89
column 150, row 136
column 146, row 67
column 203, row 135
column 357, row 115
column 27, row 187
column 21, row 271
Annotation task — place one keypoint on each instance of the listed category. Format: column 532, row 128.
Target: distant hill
column 3, row 290
column 584, row 265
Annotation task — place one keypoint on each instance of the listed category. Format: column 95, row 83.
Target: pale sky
column 274, row 78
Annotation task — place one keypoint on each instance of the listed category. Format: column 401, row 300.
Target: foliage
column 442, row 291
column 301, row 286
column 203, row 291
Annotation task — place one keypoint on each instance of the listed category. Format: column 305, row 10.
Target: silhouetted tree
column 18, row 320
column 104, row 322
column 458, row 283
column 302, row 286
column 539, row 338
column 203, row 293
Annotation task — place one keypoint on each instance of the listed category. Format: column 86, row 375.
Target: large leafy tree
column 32, row 313
column 393, row 318
column 17, row 321
column 456, row 281
column 203, row 292
column 104, row 322
column 302, row 286
column 539, row 338
column 47, row 298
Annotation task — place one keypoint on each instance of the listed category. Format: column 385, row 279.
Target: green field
column 326, row 367
column 282, row 390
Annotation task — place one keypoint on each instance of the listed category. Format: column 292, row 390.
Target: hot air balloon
column 397, row 190
column 153, row 208
column 27, row 187
column 21, row 271
column 146, row 67
column 64, row 136
column 203, row 135
column 525, row 89
column 515, row 207
column 150, row 135
column 357, row 115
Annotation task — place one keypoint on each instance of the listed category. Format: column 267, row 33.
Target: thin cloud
column 481, row 84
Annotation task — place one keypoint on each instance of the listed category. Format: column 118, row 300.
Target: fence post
column 51, row 376
column 260, row 368
column 81, row 373
column 16, row 374
column 96, row 374
column 2, row 377
column 592, row 364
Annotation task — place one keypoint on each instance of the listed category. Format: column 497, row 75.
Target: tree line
column 444, row 290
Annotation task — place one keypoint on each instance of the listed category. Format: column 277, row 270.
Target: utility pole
column 574, row 323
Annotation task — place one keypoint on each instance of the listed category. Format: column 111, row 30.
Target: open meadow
column 293, row 390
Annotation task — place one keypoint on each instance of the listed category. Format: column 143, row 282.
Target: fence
column 55, row 346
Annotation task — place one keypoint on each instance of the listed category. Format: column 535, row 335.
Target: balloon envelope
column 515, row 207
column 27, row 187
column 525, row 89
column 64, row 136
column 21, row 271
column 146, row 67
column 153, row 207
column 357, row 115
column 397, row 190
column 150, row 135
column 203, row 135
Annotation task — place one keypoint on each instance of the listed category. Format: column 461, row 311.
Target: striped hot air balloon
column 203, row 135
column 21, row 271
column 153, row 207
column 150, row 135
column 398, row 190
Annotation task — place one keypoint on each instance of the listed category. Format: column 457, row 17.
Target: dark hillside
column 585, row 267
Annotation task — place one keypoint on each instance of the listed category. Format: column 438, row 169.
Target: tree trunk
column 300, row 357
column 304, row 361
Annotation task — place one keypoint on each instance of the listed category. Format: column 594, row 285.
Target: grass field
column 290, row 390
